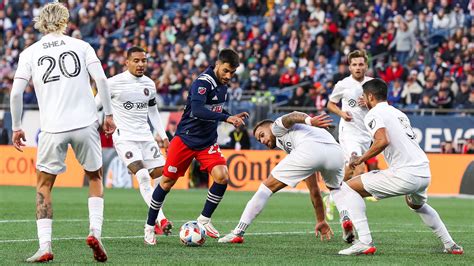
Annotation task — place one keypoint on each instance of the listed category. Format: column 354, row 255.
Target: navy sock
column 155, row 205
column 214, row 196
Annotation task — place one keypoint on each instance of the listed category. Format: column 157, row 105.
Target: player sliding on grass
column 134, row 101
column 196, row 138
column 60, row 67
column 310, row 149
column 408, row 172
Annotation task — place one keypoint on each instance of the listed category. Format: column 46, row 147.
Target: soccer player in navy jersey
column 196, row 138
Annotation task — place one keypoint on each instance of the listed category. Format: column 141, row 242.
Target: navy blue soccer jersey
column 204, row 109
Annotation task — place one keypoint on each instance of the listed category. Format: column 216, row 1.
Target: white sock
column 45, row 228
column 431, row 218
column 253, row 208
column 337, row 196
column 144, row 183
column 355, row 205
column 96, row 215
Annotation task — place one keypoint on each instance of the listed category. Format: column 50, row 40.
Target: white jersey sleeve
column 337, row 93
column 373, row 122
column 91, row 56
column 278, row 129
column 24, row 66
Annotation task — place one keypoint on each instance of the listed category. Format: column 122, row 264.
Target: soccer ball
column 192, row 234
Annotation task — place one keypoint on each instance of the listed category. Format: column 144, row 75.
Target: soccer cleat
column 454, row 249
column 210, row 229
column 158, row 230
column 97, row 248
column 347, row 230
column 150, row 238
column 42, row 255
column 373, row 199
column 359, row 248
column 166, row 226
column 231, row 238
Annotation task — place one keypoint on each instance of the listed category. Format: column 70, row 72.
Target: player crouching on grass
column 408, row 172
column 310, row 149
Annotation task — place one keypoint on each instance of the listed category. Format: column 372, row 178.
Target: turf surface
column 282, row 234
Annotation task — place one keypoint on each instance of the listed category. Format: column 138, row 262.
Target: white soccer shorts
column 314, row 157
column 146, row 151
column 52, row 149
column 385, row 184
column 351, row 145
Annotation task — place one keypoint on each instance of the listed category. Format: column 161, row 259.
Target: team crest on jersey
column 352, row 103
column 202, row 90
column 146, row 92
column 372, row 124
column 128, row 154
column 128, row 105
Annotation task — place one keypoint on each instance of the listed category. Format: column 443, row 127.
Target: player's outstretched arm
column 333, row 108
column 322, row 229
column 97, row 73
column 16, row 106
column 290, row 119
column 157, row 124
column 379, row 144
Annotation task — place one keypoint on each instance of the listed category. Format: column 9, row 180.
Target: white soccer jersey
column 131, row 97
column 57, row 65
column 299, row 134
column 349, row 90
column 403, row 155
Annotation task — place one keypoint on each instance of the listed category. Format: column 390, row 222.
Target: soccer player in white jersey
column 353, row 136
column 408, row 172
column 310, row 149
column 133, row 102
column 60, row 67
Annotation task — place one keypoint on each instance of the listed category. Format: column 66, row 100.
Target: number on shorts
column 155, row 151
column 213, row 149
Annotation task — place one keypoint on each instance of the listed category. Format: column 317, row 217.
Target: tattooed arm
column 290, row 119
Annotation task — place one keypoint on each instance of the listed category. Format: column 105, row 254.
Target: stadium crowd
column 423, row 49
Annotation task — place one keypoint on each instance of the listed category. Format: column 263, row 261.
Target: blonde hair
column 53, row 18
column 357, row 54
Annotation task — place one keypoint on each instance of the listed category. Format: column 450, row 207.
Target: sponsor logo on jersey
column 146, row 92
column 202, row 90
column 129, row 105
column 352, row 102
column 128, row 154
column 172, row 169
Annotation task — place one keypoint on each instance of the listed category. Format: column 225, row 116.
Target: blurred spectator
column 393, row 72
column 290, row 77
column 447, row 147
column 235, row 91
column 239, row 139
column 395, row 93
column 469, row 147
column 299, row 97
column 4, row 138
column 404, row 43
column 412, row 90
column 443, row 99
column 462, row 97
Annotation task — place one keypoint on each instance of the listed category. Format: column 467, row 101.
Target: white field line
column 217, row 221
column 5, row 241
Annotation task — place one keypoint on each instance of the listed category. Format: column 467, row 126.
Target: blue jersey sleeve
column 198, row 94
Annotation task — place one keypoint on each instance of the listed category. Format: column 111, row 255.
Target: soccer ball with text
column 192, row 234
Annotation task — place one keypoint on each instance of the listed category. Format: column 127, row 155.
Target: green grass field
column 282, row 234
